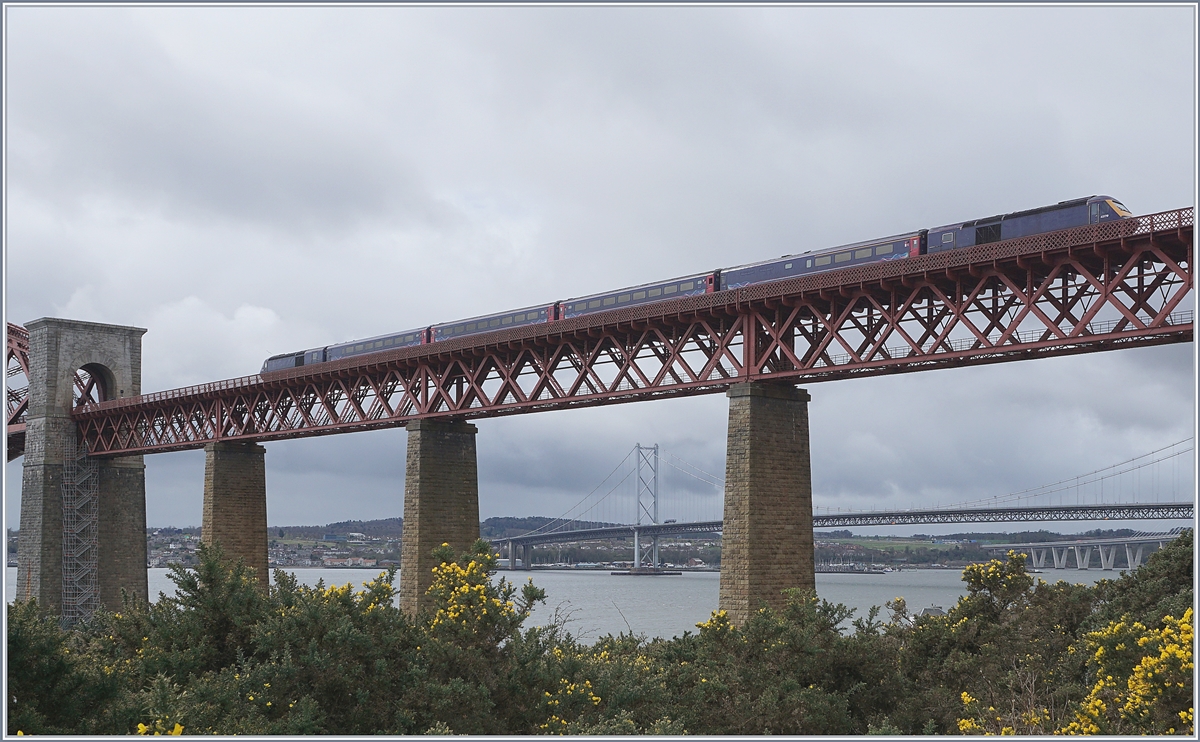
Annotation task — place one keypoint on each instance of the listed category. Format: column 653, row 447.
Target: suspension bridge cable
column 1083, row 479
column 719, row 481
column 606, row 494
column 693, row 476
column 563, row 517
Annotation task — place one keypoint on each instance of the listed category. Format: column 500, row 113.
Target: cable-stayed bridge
column 1165, row 470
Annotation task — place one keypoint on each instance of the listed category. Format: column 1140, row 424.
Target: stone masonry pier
column 235, row 503
column 768, row 536
column 441, row 502
column 76, row 565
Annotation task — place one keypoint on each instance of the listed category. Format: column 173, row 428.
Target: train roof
column 1027, row 212
column 823, row 250
column 372, row 338
column 290, row 355
column 476, row 318
column 691, row 276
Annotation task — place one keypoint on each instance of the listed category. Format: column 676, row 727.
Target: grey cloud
column 127, row 115
column 245, row 181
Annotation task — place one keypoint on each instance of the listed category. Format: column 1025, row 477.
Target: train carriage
column 489, row 322
column 699, row 283
column 789, row 266
column 375, row 344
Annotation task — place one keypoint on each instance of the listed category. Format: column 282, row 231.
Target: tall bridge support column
column 1133, row 558
column 1083, row 556
column 767, row 544
column 1108, row 556
column 235, row 503
column 441, row 502
column 1060, row 557
column 74, row 574
column 1039, row 558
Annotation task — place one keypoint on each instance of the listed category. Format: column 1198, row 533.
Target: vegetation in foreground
column 225, row 656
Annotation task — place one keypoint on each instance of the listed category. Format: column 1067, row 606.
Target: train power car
column 1063, row 215
column 345, row 350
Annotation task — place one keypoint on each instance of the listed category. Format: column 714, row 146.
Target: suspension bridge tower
column 646, row 501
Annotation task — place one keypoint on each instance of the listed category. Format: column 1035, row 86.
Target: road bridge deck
column 1139, row 511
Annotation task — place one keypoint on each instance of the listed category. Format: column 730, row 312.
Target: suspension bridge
column 1131, row 490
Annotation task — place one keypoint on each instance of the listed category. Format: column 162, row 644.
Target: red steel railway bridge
column 1094, row 288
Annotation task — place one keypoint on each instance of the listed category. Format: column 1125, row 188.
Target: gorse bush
column 226, row 655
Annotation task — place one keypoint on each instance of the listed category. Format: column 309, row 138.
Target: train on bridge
column 1063, row 215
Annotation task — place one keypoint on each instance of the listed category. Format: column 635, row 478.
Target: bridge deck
column 1086, row 289
column 1142, row 511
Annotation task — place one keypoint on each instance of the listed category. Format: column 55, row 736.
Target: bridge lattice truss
column 16, row 388
column 1093, row 288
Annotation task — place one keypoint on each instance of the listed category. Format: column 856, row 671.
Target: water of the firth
column 597, row 603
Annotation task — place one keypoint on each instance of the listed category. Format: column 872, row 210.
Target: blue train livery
column 1063, row 215
column 345, row 350
column 700, row 283
column 887, row 248
column 487, row 323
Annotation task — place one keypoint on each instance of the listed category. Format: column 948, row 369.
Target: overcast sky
column 248, row 181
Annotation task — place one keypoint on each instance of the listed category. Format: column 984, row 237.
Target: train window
column 947, row 237
column 506, row 321
column 378, row 343
column 639, row 295
column 623, row 298
column 655, row 292
column 609, row 301
column 841, row 257
column 883, row 250
column 670, row 289
column 358, row 347
column 807, row 263
column 494, row 323
column 823, row 260
column 787, row 265
column 593, row 304
column 863, row 253
column 688, row 286
column 458, row 329
column 387, row 343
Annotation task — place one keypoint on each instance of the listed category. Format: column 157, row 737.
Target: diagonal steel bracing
column 1100, row 287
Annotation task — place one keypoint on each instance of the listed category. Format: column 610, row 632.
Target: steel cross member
column 17, row 396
